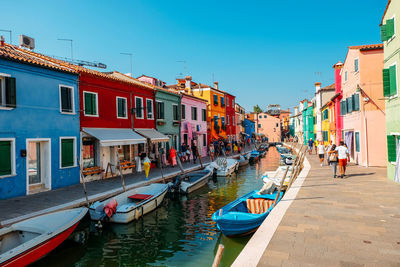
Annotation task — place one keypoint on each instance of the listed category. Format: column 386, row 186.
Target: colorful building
column 322, row 96
column 39, row 123
column 240, row 115
column 249, row 129
column 269, row 126
column 362, row 106
column 326, row 123
column 390, row 25
column 337, row 102
column 230, row 117
column 308, row 121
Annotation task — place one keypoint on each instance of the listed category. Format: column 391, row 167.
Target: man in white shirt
column 343, row 156
column 321, row 152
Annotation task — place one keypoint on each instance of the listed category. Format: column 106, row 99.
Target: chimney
column 188, row 84
column 296, row 110
column 2, row 40
column 317, row 87
column 338, row 78
column 216, row 85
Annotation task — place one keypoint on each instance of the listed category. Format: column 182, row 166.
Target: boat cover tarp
column 115, row 137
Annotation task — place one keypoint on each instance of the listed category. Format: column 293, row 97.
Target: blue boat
column 244, row 215
column 254, row 155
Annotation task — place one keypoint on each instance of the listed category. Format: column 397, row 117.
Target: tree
column 257, row 109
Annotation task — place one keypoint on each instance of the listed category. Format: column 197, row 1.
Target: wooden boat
column 190, row 182
column 226, row 166
column 244, row 160
column 130, row 205
column 26, row 242
column 245, row 214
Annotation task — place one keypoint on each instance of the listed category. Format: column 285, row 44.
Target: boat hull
column 228, row 171
column 195, row 186
column 39, row 251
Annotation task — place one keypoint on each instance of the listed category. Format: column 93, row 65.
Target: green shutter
column 349, row 105
column 392, row 80
column 94, row 107
column 357, row 142
column 121, row 108
column 162, row 110
column 356, row 102
column 67, row 152
column 391, row 147
column 383, row 33
column 386, row 82
column 11, row 92
column 5, row 156
column 344, row 107
column 389, row 28
column 88, row 104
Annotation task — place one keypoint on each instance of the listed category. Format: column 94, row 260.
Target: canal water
column 179, row 233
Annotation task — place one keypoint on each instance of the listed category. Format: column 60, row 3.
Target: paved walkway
column 353, row 221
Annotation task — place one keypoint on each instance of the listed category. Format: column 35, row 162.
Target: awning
column 115, row 137
column 153, row 135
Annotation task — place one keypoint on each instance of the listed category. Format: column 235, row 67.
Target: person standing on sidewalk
column 212, row 151
column 321, row 152
column 333, row 159
column 310, row 146
column 343, row 156
column 194, row 151
column 327, row 149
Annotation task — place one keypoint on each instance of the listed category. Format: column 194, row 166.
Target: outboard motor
column 176, row 184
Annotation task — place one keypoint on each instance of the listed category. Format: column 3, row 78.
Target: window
column 233, row 121
column 233, row 103
column 389, row 81
column 139, row 107
column 204, row 115
column 392, row 141
column 7, row 154
column 89, row 153
column 160, row 110
column 222, row 121
column 357, row 142
column 8, row 93
column 345, row 76
column 204, row 140
column 265, row 116
column 150, row 109
column 216, row 100
column 227, row 102
column 227, row 119
column 260, row 117
column 67, row 99
column 387, row 30
column 175, row 113
column 122, row 112
column 222, row 101
column 325, row 114
column 90, row 104
column 194, row 113
column 356, row 102
column 356, row 65
column 349, row 104
column 183, row 112
column 215, row 120
column 259, row 126
column 67, row 151
column 325, row 136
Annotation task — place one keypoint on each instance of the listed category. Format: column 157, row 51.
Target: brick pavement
column 353, row 221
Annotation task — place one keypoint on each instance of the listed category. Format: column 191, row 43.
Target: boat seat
column 140, row 196
column 258, row 205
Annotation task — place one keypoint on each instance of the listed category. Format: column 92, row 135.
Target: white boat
column 225, row 167
column 132, row 204
column 276, row 176
column 26, row 242
column 244, row 160
column 191, row 181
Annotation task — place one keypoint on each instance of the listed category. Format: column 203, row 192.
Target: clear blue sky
column 264, row 52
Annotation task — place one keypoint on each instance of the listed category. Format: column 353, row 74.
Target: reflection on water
column 179, row 233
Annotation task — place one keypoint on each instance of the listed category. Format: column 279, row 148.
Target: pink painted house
column 363, row 105
column 194, row 121
column 270, row 126
column 337, row 100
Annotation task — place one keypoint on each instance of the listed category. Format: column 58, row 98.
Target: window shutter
column 5, row 155
column 392, row 80
column 356, row 102
column 94, row 107
column 67, row 152
column 383, row 33
column 162, row 110
column 120, row 108
column 88, row 104
column 357, row 142
column 391, row 147
column 11, row 92
column 389, row 28
column 386, row 82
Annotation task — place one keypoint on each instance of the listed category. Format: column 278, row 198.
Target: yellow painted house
column 325, row 114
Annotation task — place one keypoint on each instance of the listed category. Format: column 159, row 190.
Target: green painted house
column 168, row 106
column 390, row 30
column 308, row 122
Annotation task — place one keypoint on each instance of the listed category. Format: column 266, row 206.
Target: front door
column 38, row 166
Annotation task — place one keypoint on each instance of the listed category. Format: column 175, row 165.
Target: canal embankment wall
column 255, row 248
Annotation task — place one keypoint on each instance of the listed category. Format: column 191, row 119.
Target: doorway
column 38, row 165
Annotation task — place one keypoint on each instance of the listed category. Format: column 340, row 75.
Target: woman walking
column 333, row 159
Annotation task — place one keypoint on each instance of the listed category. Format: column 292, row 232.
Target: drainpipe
column 132, row 110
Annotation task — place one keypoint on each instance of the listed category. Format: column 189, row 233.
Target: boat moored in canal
column 244, row 160
column 190, row 182
column 26, row 242
column 226, row 166
column 129, row 205
column 254, row 156
column 244, row 215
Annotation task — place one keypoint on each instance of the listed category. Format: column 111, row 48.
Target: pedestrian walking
column 321, row 152
column 212, row 151
column 343, row 156
column 310, row 146
column 333, row 159
column 327, row 149
column 194, row 151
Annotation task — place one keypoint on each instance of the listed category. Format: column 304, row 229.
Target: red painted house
column 112, row 106
column 230, row 117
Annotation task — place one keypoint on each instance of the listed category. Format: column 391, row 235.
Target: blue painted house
column 249, row 128
column 39, row 123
